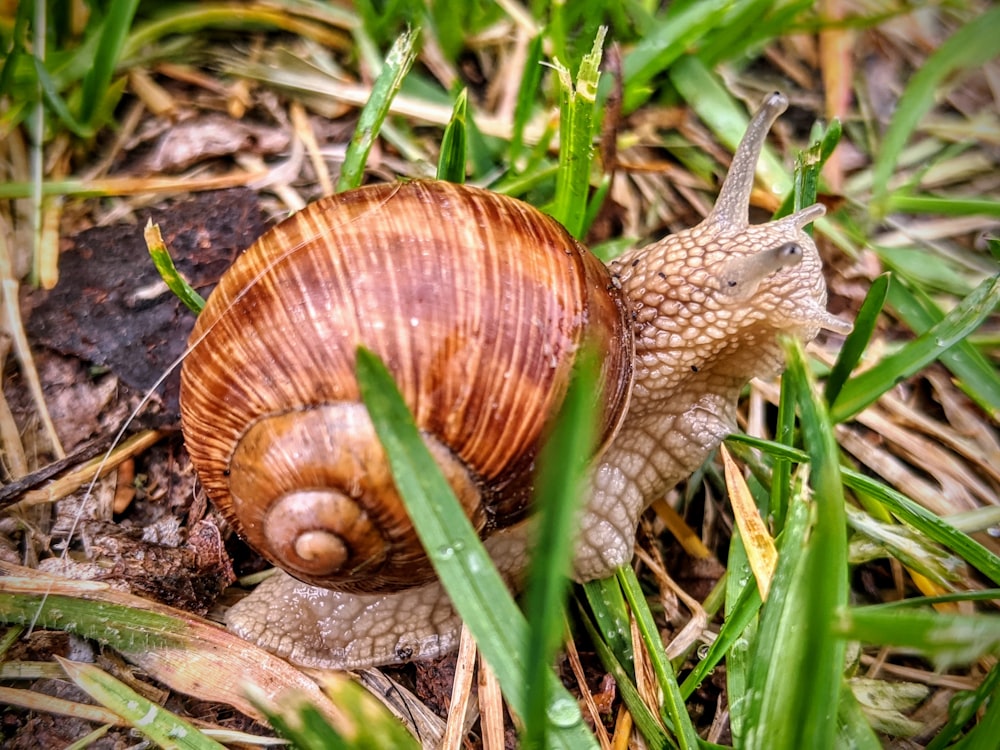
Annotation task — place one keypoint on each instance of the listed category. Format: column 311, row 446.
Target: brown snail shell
column 476, row 302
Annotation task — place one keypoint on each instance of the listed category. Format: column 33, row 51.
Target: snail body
column 477, row 303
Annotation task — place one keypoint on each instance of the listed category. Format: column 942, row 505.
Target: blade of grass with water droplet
column 559, row 489
column 166, row 729
column 978, row 378
column 648, row 724
column 799, row 662
column 459, row 558
column 966, row 317
column 676, row 713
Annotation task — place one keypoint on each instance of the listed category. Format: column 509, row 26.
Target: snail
column 478, row 304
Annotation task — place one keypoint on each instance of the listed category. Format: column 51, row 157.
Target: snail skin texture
column 477, row 303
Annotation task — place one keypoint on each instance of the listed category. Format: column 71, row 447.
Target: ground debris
column 111, row 308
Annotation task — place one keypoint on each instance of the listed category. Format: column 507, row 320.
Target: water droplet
column 414, row 322
column 564, row 712
column 446, row 552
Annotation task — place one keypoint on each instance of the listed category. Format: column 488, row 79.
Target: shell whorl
column 477, row 304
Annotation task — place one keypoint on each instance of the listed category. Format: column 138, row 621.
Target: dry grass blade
column 760, row 550
column 81, row 476
column 50, row 704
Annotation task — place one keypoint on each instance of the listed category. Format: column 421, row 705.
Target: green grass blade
column 738, row 661
column 971, row 46
column 166, row 729
column 963, row 708
column 647, row 723
column 946, row 639
column 168, row 271
column 296, row 719
column 857, row 340
column 397, row 64
column 607, row 603
column 576, row 136
column 677, row 714
column 671, row 36
column 738, row 618
column 977, row 376
column 16, row 51
column 56, row 103
column 854, row 729
column 122, row 628
column 808, row 166
column 454, row 143
column 781, row 473
column 767, row 693
column 923, row 520
column 984, row 735
column 527, row 93
column 559, row 489
column 458, row 557
column 732, row 32
column 931, row 204
column 801, row 659
column 956, row 325
column 110, row 45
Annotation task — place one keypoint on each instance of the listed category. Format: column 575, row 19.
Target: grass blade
column 527, row 91
column 964, row 707
column 397, row 64
column 946, row 639
column 295, row 718
column 454, row 143
column 648, row 724
column 607, row 603
column 182, row 651
column 738, row 618
column 955, row 326
column 908, row 511
column 576, row 135
column 461, row 562
column 801, row 659
column 709, row 97
column 168, row 271
column 559, row 489
column 166, row 729
column 972, row 45
column 110, row 44
column 672, row 35
column 977, row 376
column 678, row 716
column 857, row 340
